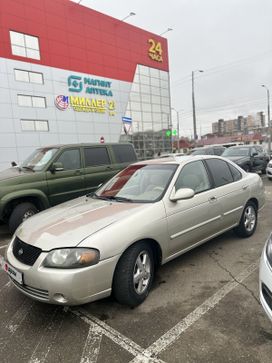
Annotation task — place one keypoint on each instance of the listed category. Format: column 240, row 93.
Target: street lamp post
column 177, row 112
column 166, row 31
column 128, row 16
column 268, row 116
column 193, row 101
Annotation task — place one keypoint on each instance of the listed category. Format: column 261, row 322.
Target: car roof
column 241, row 146
column 60, row 146
column 183, row 159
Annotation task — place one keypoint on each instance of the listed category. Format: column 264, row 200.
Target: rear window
column 124, row 153
column 95, row 156
column 220, row 172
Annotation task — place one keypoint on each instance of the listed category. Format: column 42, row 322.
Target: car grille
column 267, row 295
column 25, row 253
column 32, row 291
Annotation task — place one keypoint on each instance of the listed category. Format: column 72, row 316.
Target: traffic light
column 169, row 133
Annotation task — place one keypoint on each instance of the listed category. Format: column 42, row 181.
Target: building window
column 27, row 76
column 25, row 45
column 31, row 101
column 35, row 125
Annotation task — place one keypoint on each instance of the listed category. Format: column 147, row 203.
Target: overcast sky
column 231, row 40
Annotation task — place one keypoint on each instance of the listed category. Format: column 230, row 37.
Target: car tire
column 20, row 213
column 248, row 221
column 134, row 275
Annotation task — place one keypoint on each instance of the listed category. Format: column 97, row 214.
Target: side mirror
column 254, row 154
column 56, row 167
column 13, row 163
column 183, row 193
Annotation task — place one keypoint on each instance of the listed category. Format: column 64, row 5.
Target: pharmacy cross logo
column 62, row 102
column 75, row 84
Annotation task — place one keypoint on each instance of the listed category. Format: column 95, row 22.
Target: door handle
column 78, row 172
column 212, row 199
column 109, row 168
column 245, row 187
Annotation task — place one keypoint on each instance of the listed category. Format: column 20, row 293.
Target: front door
column 196, row 219
column 67, row 183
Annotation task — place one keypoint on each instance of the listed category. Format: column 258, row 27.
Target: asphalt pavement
column 204, row 307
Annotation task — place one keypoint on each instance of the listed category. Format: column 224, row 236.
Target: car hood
column 236, row 159
column 68, row 224
column 11, row 173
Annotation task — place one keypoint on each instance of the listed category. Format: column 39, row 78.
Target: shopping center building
column 69, row 74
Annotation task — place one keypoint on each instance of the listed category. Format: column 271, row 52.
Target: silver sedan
column 113, row 240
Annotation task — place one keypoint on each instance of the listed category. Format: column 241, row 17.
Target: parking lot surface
column 204, row 307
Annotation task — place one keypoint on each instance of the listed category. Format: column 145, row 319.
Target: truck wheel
column 20, row 213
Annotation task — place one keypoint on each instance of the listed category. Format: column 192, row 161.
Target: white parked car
column 269, row 170
column 112, row 241
column 265, row 278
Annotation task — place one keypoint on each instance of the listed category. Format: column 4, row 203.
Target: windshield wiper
column 110, row 197
column 27, row 167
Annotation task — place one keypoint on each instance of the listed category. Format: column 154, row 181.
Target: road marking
column 12, row 325
column 118, row 338
column 8, row 284
column 174, row 333
column 92, row 345
column 47, row 340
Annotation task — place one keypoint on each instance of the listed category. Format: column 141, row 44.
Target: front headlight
column 269, row 250
column 72, row 258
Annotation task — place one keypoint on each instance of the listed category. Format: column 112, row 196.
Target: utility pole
column 268, row 116
column 193, row 102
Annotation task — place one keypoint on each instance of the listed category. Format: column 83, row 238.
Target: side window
column 124, row 153
column 194, row 176
column 95, row 156
column 235, row 173
column 70, row 159
column 253, row 151
column 220, row 172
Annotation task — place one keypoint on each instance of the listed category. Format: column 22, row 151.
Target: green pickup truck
column 55, row 174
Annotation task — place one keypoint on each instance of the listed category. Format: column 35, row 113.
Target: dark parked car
column 55, row 174
column 249, row 157
column 211, row 150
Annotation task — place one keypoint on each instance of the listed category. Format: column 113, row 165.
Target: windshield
column 138, row 183
column 200, row 152
column 38, row 159
column 236, row 151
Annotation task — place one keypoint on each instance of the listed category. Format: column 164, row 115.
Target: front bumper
column 64, row 286
column 265, row 284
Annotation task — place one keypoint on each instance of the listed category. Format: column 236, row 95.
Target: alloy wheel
column 142, row 272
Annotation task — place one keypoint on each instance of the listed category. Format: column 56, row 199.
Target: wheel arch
column 40, row 202
column 156, row 248
column 255, row 201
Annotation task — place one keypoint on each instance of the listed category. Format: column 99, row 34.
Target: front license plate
column 11, row 271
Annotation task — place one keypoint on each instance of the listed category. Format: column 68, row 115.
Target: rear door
column 123, row 154
column 69, row 182
column 98, row 166
column 231, row 191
